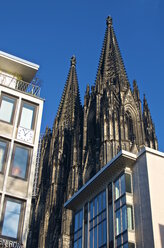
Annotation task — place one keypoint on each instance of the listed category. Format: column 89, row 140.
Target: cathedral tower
column 113, row 118
column 83, row 140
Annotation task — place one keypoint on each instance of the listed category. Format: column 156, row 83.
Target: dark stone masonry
column 84, row 138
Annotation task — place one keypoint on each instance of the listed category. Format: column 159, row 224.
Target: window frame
column 28, row 161
column 120, row 185
column 98, row 219
column 122, row 230
column 14, row 106
column 79, row 228
column 21, row 218
column 34, row 113
column 5, row 155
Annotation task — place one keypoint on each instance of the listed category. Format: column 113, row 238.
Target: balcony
column 13, row 82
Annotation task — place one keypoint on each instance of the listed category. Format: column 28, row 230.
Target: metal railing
column 35, row 183
column 12, row 82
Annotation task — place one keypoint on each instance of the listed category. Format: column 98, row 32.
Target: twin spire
column 70, row 103
column 111, row 67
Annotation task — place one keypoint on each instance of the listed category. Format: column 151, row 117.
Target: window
column 130, row 217
column 124, row 219
column 7, row 108
column 128, row 183
column 11, row 219
column 97, row 223
column 122, row 185
column 129, row 122
column 78, row 229
column 20, row 161
column 3, row 153
column 128, row 245
column 27, row 116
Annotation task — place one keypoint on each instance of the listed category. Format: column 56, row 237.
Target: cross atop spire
column 109, row 21
column 73, row 61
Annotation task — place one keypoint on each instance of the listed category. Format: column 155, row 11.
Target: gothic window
column 130, row 127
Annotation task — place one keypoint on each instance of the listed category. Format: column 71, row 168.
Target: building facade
column 120, row 206
column 84, row 138
column 20, row 122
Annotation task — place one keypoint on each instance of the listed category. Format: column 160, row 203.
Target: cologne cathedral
column 84, row 138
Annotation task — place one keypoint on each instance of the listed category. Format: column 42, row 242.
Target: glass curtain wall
column 97, row 222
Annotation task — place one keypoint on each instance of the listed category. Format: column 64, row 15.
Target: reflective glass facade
column 104, row 222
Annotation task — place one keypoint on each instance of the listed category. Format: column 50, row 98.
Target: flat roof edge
column 150, row 150
column 121, row 153
column 19, row 60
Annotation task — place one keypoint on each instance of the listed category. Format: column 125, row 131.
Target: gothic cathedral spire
column 83, row 140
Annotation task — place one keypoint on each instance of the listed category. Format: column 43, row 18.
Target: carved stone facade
column 84, row 139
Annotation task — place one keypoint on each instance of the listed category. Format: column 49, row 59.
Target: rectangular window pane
column 6, row 109
column 124, row 218
column 3, row 146
column 95, row 237
column 27, row 116
column 91, row 239
column 100, row 234
column 78, row 229
column 11, row 219
column 80, row 219
column 20, row 161
column 118, row 223
column 122, row 179
column 128, row 183
column 104, row 232
column 130, row 217
column 104, row 200
column 117, row 190
column 76, row 222
column 110, row 222
column 91, row 210
column 125, row 245
column 95, row 213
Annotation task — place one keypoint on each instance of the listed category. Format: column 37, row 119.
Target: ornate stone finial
column 73, row 60
column 109, row 21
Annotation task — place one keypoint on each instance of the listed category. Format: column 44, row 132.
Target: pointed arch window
column 130, row 126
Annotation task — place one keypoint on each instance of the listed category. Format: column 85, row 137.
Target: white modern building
column 20, row 121
column 123, row 204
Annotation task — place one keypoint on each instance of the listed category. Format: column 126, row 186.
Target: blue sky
column 50, row 32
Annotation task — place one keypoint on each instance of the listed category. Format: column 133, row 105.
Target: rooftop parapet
column 19, row 74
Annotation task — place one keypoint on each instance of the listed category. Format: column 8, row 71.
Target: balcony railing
column 14, row 83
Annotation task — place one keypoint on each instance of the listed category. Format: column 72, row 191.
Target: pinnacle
column 109, row 21
column 73, row 61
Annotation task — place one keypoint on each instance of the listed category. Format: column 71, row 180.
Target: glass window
column 129, row 245
column 27, row 116
column 122, row 179
column 3, row 148
column 6, row 108
column 124, row 219
column 118, row 222
column 125, row 245
column 123, row 185
column 20, row 161
column 97, row 223
column 130, row 217
column 128, row 183
column 117, row 190
column 78, row 229
column 11, row 219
